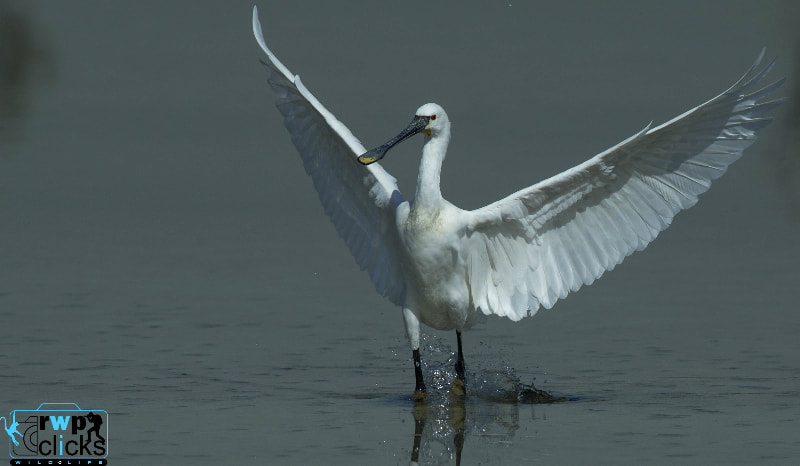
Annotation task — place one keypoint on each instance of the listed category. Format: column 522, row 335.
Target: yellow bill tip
column 366, row 160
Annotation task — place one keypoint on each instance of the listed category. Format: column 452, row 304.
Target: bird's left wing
column 535, row 246
column 360, row 200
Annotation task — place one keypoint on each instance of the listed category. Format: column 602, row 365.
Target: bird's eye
column 433, row 117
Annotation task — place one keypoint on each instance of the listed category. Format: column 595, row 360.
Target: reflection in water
column 20, row 53
column 490, row 410
column 444, row 437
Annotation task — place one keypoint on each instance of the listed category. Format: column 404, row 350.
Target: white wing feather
column 365, row 217
column 537, row 245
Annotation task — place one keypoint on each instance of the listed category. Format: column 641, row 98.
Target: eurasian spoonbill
column 446, row 267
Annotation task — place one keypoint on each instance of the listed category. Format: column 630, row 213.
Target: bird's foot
column 458, row 388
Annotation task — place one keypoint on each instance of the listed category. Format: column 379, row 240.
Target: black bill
column 418, row 124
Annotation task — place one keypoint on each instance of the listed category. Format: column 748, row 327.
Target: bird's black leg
column 460, row 360
column 419, row 391
column 412, row 329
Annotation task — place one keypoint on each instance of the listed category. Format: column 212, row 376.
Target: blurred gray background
column 163, row 255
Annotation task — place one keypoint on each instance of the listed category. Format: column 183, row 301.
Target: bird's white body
column 429, row 230
column 448, row 267
column 433, row 267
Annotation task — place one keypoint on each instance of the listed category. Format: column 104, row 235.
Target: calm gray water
column 163, row 255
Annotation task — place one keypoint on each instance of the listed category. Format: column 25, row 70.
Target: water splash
column 489, row 413
column 488, row 378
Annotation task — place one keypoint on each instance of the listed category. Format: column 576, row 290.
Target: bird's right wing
column 537, row 245
column 360, row 200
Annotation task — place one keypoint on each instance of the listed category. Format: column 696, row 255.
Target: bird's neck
column 428, row 194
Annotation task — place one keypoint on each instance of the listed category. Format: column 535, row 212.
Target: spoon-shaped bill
column 417, row 125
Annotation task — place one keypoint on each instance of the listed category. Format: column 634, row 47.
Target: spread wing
column 535, row 246
column 360, row 200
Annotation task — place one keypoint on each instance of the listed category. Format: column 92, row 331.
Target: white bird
column 447, row 267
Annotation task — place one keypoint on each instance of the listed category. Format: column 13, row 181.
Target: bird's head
column 430, row 119
column 437, row 118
